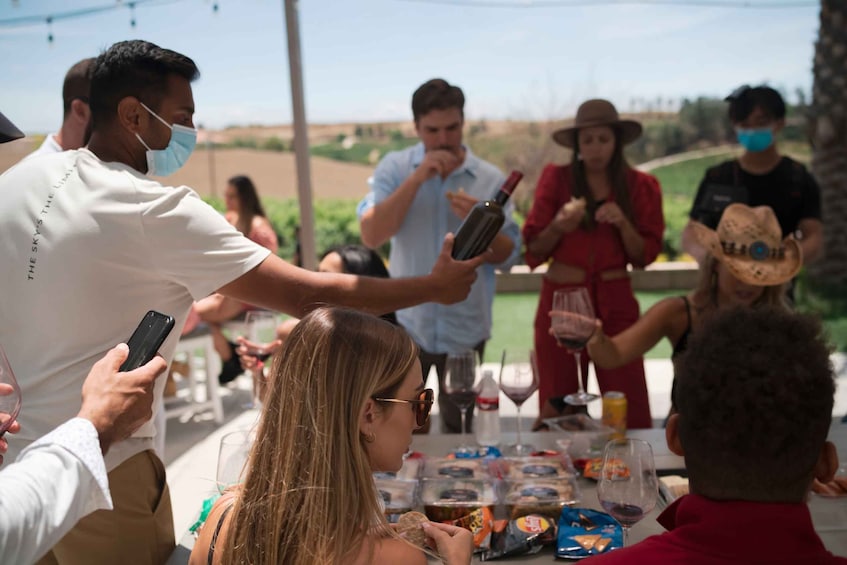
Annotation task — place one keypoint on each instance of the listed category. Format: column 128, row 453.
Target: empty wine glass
column 628, row 487
column 232, row 458
column 518, row 381
column 572, row 321
column 10, row 394
column 460, row 384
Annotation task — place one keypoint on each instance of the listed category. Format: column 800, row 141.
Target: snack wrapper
column 523, row 536
column 480, row 523
column 584, row 532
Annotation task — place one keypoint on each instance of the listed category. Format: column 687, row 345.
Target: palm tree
column 828, row 132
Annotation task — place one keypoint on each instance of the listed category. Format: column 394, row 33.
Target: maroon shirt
column 702, row 531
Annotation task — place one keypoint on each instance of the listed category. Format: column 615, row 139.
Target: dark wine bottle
column 483, row 222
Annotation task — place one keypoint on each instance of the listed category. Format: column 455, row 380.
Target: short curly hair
column 755, row 393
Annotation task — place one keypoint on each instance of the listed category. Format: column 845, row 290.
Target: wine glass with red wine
column 10, row 394
column 628, row 487
column 460, row 384
column 518, row 381
column 260, row 327
column 572, row 321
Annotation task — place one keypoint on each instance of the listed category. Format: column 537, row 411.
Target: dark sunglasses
column 421, row 406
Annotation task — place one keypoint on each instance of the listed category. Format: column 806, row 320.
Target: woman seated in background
column 747, row 264
column 245, row 212
column 591, row 219
column 345, row 395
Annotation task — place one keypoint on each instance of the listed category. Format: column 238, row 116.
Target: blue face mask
column 167, row 161
column 754, row 140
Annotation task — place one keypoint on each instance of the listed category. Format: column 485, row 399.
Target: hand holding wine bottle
column 484, row 221
column 451, row 279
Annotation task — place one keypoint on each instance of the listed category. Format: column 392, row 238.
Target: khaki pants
column 139, row 530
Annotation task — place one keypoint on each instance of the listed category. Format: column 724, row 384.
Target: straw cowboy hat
column 749, row 242
column 597, row 112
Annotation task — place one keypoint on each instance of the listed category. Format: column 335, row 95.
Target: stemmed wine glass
column 572, row 322
column 628, row 487
column 518, row 381
column 10, row 394
column 460, row 385
column 260, row 330
column 232, row 458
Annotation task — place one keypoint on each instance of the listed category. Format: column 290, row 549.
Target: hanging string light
column 90, row 11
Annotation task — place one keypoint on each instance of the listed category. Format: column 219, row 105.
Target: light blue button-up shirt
column 438, row 328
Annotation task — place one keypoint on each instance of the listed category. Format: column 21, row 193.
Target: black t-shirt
column 789, row 189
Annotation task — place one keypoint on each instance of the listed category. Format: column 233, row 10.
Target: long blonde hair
column 705, row 295
column 309, row 496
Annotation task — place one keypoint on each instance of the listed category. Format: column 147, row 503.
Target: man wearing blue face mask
column 761, row 176
column 89, row 243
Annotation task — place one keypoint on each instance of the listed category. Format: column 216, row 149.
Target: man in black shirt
column 760, row 177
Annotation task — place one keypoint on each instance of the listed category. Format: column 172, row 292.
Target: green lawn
column 514, row 314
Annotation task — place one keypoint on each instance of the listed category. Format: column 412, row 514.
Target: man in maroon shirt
column 754, row 392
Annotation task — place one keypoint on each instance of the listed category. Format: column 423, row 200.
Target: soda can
column 614, row 413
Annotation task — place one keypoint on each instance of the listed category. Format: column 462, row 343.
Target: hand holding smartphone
column 147, row 338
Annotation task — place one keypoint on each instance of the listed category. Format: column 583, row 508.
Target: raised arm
column 380, row 222
column 658, row 322
column 280, row 286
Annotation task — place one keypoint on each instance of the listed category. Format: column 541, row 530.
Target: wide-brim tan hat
column 749, row 242
column 597, row 112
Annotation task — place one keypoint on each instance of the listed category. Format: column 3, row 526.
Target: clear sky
column 363, row 58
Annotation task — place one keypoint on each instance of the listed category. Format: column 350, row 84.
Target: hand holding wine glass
column 460, row 384
column 518, row 381
column 628, row 487
column 260, row 334
column 258, row 345
column 572, row 322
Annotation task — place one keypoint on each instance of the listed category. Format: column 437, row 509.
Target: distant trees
column 828, row 133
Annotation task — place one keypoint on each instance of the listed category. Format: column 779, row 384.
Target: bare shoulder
column 200, row 552
column 387, row 551
column 670, row 314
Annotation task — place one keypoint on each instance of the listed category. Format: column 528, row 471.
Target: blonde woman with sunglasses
column 346, row 392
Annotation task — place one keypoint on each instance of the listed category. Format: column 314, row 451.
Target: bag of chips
column 525, row 535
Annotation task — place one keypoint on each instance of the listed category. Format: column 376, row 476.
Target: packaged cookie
column 550, row 467
column 398, row 496
column 445, row 500
column 449, row 468
column 546, row 497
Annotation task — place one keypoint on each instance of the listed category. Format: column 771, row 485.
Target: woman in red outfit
column 615, row 220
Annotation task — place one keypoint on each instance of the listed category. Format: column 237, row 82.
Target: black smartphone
column 147, row 338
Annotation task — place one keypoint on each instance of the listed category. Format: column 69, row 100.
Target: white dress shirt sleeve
column 53, row 483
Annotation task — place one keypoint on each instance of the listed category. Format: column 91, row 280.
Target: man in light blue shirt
column 420, row 194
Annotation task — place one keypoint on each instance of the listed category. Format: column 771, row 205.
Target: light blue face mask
column 754, row 140
column 167, row 161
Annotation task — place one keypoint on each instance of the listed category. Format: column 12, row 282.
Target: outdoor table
column 828, row 515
